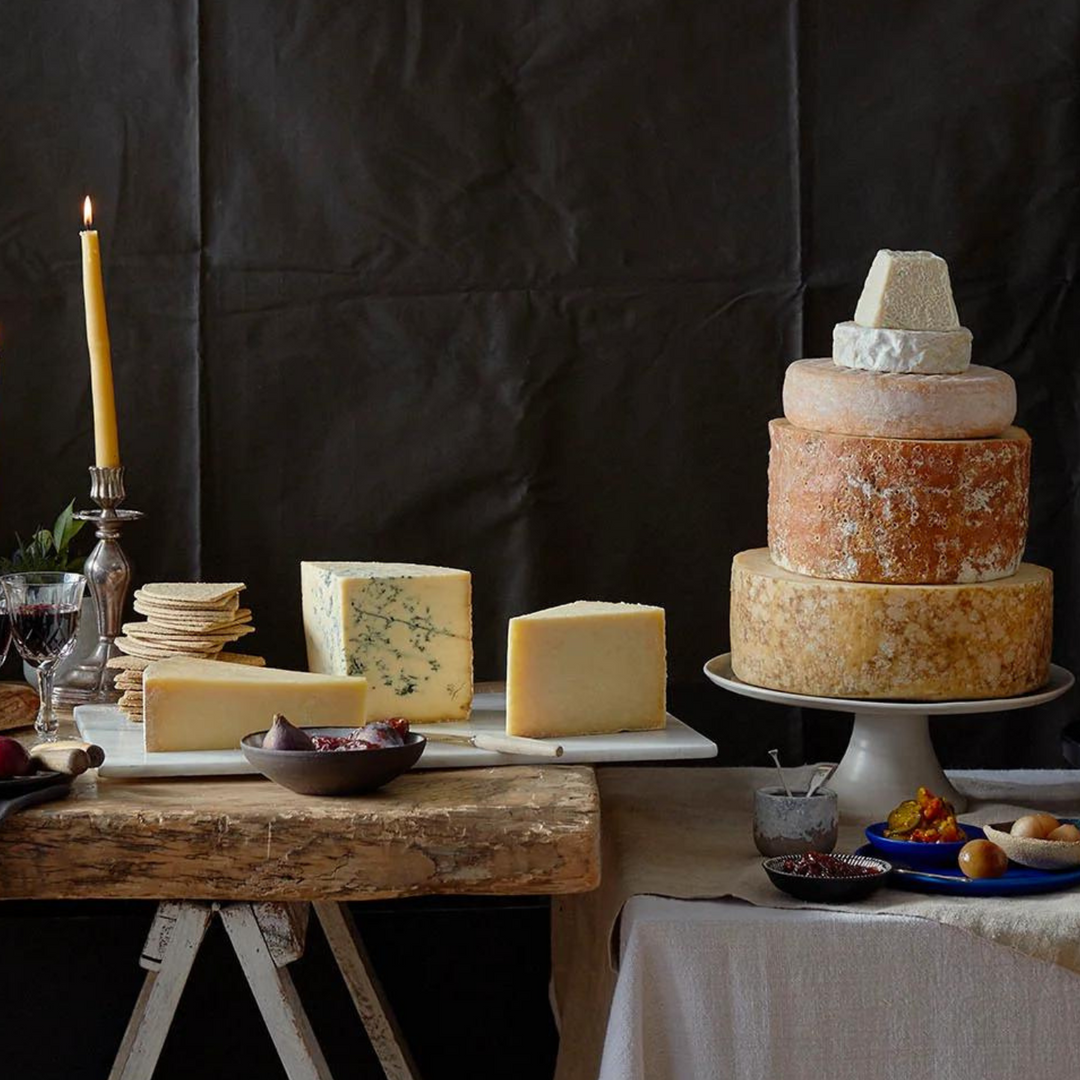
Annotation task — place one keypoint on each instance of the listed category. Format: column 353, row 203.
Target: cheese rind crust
column 925, row 352
column 889, row 642
column 902, row 511
column 971, row 404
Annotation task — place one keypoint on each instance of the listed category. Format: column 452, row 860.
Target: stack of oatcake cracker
column 183, row 618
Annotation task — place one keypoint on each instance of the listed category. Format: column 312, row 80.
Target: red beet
column 14, row 760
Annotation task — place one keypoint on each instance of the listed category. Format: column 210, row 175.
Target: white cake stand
column 890, row 753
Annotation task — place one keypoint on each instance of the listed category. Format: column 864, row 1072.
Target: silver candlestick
column 108, row 574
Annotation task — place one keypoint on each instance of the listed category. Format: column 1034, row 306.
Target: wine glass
column 5, row 629
column 44, row 613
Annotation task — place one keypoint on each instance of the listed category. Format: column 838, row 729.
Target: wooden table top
column 511, row 830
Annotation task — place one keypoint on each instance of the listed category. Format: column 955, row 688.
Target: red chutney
column 815, row 864
column 370, row 737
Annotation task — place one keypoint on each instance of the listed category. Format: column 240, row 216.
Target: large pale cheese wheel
column 889, row 642
column 913, row 511
column 927, row 352
column 974, row 403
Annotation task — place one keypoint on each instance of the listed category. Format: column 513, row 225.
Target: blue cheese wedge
column 407, row 629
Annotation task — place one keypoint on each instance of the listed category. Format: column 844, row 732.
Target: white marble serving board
column 125, row 756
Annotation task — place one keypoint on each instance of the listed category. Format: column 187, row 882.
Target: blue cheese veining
column 407, row 629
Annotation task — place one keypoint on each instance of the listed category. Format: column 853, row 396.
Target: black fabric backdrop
column 510, row 286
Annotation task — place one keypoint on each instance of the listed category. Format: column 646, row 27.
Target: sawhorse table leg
column 169, row 953
column 366, row 991
column 266, row 939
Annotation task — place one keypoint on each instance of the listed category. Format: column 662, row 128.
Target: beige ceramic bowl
column 1037, row 854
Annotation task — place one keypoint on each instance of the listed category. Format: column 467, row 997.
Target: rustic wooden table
column 260, row 857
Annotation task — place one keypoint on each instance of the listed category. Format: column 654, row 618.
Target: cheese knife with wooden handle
column 500, row 744
column 68, row 756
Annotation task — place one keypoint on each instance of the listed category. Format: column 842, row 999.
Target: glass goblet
column 5, row 629
column 44, row 613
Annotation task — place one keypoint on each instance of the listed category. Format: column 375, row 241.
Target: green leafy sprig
column 48, row 549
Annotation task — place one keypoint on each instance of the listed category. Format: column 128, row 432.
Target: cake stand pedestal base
column 889, row 757
column 890, row 754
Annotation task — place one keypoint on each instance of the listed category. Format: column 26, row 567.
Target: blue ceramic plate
column 913, row 854
column 1016, row 881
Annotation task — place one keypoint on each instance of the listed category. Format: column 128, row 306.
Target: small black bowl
column 828, row 890
column 332, row 772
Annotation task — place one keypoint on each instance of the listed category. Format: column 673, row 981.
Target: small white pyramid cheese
column 406, row 628
column 586, row 668
column 207, row 705
column 907, row 290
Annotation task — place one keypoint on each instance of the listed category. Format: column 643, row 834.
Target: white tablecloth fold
column 685, row 833
column 727, row 991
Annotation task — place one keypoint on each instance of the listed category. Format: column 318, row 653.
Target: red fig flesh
column 285, row 736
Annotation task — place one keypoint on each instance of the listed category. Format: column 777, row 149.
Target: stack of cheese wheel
column 898, row 513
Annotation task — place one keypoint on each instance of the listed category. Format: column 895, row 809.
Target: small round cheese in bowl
column 1057, row 848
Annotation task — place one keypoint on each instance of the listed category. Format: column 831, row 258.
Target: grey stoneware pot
column 795, row 824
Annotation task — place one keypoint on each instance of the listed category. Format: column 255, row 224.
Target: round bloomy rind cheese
column 972, row 404
column 905, row 511
column 927, row 352
column 889, row 642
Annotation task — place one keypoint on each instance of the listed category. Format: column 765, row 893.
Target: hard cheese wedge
column 586, row 668
column 206, row 705
column 407, row 629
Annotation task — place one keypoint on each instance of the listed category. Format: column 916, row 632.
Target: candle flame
column 88, row 212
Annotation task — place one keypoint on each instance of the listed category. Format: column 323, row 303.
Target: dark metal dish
column 20, row 785
column 829, row 890
column 336, row 772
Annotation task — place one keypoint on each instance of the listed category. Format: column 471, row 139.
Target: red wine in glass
column 44, row 617
column 44, row 631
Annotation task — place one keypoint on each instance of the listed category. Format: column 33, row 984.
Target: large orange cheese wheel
column 912, row 511
column 889, row 642
column 973, row 403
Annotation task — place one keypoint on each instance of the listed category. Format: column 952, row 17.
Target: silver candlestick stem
column 108, row 575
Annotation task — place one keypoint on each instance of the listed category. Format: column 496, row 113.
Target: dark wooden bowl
column 332, row 772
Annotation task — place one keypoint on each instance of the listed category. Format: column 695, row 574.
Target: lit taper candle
column 106, row 443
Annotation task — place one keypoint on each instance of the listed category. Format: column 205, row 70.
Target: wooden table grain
column 519, row 829
column 261, row 857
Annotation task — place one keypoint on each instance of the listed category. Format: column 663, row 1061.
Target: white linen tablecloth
column 684, row 834
column 722, row 990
